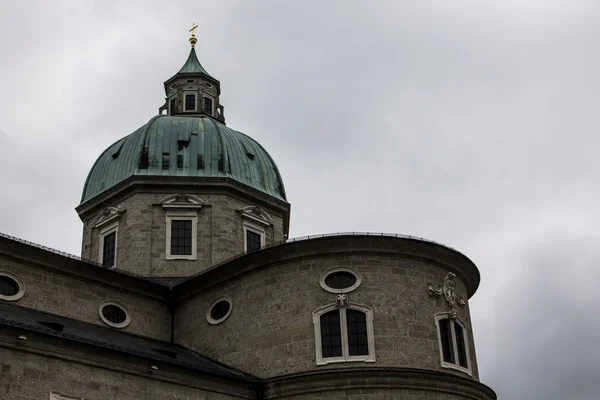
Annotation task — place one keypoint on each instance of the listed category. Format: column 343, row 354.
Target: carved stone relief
column 341, row 301
column 448, row 289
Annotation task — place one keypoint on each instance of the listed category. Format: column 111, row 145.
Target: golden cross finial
column 193, row 38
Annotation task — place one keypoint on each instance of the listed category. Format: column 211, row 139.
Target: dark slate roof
column 198, row 147
column 83, row 332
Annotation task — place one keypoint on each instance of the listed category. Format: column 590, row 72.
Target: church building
column 188, row 286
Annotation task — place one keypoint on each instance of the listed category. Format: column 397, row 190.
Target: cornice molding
column 376, row 378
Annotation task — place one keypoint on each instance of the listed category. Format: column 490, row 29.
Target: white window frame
column 19, row 282
column 256, row 228
column 121, row 325
column 445, row 364
column 213, row 321
column 212, row 111
column 368, row 311
column 190, row 93
column 182, row 215
column 105, row 231
column 349, row 289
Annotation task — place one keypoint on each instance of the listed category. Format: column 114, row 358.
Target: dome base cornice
column 392, row 381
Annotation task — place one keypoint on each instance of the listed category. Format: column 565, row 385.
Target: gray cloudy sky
column 471, row 123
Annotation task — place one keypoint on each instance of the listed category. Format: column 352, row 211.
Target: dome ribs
column 185, row 146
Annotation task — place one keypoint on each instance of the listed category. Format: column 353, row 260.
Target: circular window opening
column 114, row 314
column 219, row 311
column 11, row 287
column 340, row 280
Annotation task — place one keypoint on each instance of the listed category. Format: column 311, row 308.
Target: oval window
column 114, row 314
column 219, row 311
column 11, row 287
column 340, row 280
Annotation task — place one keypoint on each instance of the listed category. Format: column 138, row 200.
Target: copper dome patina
column 200, row 147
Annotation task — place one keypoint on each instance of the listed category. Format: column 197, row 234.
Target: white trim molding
column 19, row 283
column 348, row 270
column 182, row 200
column 256, row 220
column 182, row 215
column 188, row 92
column 109, row 214
column 209, row 317
column 256, row 215
column 256, row 228
column 181, row 207
column 104, row 232
column 453, row 320
column 110, row 323
column 342, row 304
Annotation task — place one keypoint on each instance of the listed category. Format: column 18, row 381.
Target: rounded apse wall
column 280, row 301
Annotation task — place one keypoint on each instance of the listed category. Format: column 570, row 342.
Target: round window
column 219, row 311
column 114, row 314
column 11, row 287
column 340, row 280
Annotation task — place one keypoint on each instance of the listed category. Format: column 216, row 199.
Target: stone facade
column 142, row 230
column 79, row 296
column 270, row 330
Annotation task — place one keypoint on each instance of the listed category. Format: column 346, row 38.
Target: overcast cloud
column 471, row 123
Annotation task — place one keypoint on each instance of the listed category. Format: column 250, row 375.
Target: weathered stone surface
column 141, row 237
column 76, row 297
column 270, row 330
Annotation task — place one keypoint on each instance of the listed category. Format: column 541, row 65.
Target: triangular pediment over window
column 181, row 200
column 256, row 214
column 107, row 215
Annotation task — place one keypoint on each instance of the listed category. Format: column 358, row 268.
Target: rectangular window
column 453, row 344
column 190, row 102
column 253, row 241
column 109, row 243
column 208, row 105
column 181, row 237
column 460, row 346
column 331, row 334
column 358, row 345
column 446, row 338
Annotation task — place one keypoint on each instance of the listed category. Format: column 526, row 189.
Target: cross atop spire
column 193, row 39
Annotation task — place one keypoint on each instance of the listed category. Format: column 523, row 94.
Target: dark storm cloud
column 471, row 123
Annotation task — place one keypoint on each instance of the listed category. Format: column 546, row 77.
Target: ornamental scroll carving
column 341, row 301
column 448, row 290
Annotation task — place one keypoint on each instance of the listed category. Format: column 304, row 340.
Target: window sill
column 457, row 368
column 334, row 360
column 189, row 258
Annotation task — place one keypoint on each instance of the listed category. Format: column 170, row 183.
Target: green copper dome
column 185, row 147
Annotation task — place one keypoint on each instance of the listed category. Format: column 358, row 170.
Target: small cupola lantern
column 192, row 90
